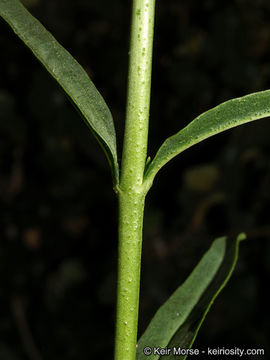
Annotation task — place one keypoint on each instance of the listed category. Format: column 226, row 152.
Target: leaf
column 225, row 116
column 177, row 322
column 68, row 73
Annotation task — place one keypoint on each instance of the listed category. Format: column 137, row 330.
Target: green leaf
column 223, row 117
column 68, row 73
column 177, row 322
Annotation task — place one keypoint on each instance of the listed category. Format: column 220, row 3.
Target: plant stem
column 129, row 262
column 132, row 191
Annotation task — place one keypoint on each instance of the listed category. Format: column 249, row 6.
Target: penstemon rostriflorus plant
column 177, row 322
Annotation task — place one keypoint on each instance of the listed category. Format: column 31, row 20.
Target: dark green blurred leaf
column 177, row 322
column 7, row 353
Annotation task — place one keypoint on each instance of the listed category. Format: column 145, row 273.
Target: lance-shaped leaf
column 177, row 322
column 223, row 117
column 68, row 73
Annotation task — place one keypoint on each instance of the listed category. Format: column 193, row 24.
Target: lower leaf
column 177, row 322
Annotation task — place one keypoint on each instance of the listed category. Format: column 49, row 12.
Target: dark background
column 58, row 213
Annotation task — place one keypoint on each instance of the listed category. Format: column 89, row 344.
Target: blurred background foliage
column 58, row 213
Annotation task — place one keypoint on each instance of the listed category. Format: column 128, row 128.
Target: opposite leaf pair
column 82, row 92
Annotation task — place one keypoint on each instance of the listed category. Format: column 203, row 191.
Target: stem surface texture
column 132, row 191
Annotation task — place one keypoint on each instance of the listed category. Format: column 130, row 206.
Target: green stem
column 132, row 191
column 129, row 263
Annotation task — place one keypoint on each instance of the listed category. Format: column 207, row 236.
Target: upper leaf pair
column 90, row 104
